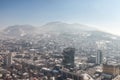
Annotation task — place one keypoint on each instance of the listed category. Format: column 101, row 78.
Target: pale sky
column 103, row 14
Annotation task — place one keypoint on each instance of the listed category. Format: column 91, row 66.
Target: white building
column 8, row 59
column 99, row 59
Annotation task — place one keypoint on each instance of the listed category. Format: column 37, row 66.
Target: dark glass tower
column 68, row 57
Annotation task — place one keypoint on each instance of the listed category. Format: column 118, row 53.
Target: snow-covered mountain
column 65, row 27
column 18, row 30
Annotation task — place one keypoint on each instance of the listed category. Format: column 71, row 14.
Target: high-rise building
column 99, row 59
column 68, row 57
column 8, row 60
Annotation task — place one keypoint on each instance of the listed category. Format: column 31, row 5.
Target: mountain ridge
column 51, row 27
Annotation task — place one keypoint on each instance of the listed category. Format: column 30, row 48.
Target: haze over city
column 102, row 14
column 59, row 40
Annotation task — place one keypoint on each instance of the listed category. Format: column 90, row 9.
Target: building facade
column 99, row 57
column 68, row 57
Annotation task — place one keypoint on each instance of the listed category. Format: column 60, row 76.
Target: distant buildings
column 68, row 57
column 92, row 59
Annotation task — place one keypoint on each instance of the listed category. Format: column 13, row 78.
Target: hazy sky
column 103, row 14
